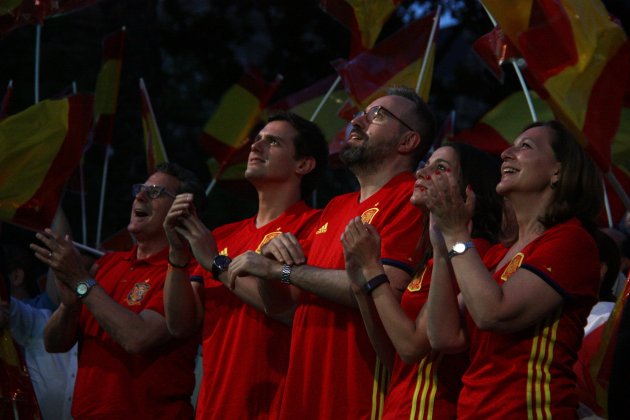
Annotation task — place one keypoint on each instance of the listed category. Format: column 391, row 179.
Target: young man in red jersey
column 245, row 352
column 333, row 370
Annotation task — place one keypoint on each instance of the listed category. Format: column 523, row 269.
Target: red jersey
column 245, row 353
column 333, row 370
column 114, row 384
column 529, row 373
column 428, row 389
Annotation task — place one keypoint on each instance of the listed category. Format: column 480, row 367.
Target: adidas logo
column 322, row 229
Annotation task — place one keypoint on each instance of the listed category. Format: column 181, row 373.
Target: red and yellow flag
column 578, row 60
column 306, row 101
column 153, row 145
column 15, row 13
column 500, row 126
column 396, row 60
column 107, row 87
column 39, row 149
column 364, row 19
column 236, row 115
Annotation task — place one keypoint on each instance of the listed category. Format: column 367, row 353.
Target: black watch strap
column 374, row 283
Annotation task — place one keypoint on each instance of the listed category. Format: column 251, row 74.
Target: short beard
column 365, row 158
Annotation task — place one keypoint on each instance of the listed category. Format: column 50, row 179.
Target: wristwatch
column 220, row 264
column 459, row 248
column 285, row 277
column 84, row 287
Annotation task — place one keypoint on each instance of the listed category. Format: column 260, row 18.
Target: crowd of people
column 460, row 290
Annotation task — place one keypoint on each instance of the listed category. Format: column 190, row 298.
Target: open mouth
column 140, row 213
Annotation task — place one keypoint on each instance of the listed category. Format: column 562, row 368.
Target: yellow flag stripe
column 235, row 116
column 29, row 142
column 107, row 87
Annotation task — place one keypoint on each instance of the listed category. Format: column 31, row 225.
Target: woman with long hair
column 523, row 306
column 424, row 384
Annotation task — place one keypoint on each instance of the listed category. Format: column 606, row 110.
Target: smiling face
column 147, row 215
column 370, row 143
column 442, row 159
column 272, row 156
column 529, row 165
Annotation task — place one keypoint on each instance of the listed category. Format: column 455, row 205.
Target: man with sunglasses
column 333, row 370
column 129, row 365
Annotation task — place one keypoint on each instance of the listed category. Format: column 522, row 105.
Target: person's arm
column 183, row 220
column 388, row 326
column 183, row 307
column 135, row 333
column 62, row 330
column 27, row 322
column 518, row 303
column 258, row 274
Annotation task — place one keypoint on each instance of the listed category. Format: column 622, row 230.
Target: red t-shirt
column 529, row 374
column 245, row 353
column 427, row 389
column 333, row 370
column 114, row 384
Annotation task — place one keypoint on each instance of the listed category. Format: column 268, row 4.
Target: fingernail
column 428, row 177
column 437, row 172
column 448, row 170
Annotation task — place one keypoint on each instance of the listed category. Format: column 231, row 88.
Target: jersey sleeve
column 568, row 260
column 400, row 237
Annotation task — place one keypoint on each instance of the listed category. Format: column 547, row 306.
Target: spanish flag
column 397, row 60
column 306, row 101
column 39, row 149
column 236, row 115
column 364, row 19
column 107, row 87
column 153, row 145
column 500, row 126
column 578, row 60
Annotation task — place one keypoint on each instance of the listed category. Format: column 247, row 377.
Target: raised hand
column 450, row 211
column 362, row 250
column 60, row 254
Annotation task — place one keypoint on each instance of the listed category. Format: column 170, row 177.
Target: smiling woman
column 525, row 303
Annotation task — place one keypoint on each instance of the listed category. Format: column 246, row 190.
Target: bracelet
column 181, row 267
column 376, row 281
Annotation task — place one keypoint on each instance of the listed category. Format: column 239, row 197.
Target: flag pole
column 82, row 186
column 427, row 50
column 143, row 88
column 38, row 45
column 101, row 206
column 623, row 196
column 519, row 75
column 325, row 98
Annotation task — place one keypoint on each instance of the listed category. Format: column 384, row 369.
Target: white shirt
column 52, row 374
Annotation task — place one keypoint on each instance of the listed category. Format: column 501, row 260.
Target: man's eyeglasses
column 152, row 191
column 378, row 111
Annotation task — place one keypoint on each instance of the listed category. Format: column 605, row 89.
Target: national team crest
column 416, row 283
column 268, row 237
column 137, row 293
column 369, row 214
column 511, row 268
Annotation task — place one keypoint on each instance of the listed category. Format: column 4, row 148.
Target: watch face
column 459, row 247
column 82, row 288
column 222, row 262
